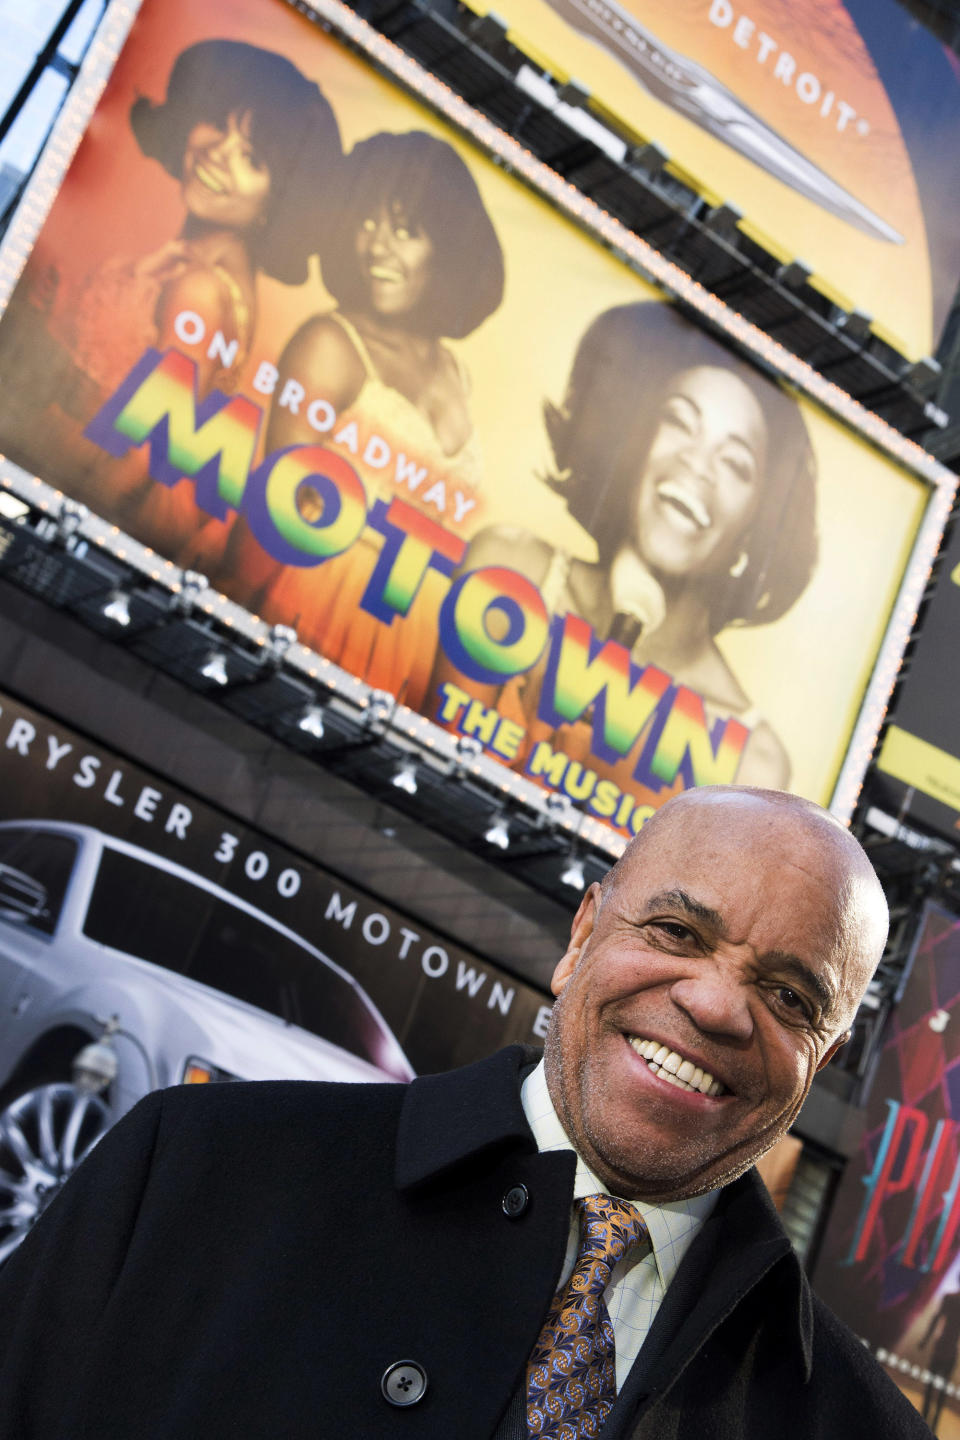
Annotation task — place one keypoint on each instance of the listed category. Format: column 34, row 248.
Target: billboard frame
column 335, row 17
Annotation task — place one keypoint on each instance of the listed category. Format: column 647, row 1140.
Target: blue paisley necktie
column 571, row 1378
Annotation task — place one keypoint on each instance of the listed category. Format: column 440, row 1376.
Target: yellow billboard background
column 856, row 143
column 803, row 676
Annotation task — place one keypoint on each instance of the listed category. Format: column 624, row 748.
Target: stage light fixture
column 794, row 274
column 117, row 608
column 572, row 873
column 280, row 639
column 192, row 586
column 574, row 92
column 558, row 807
column 215, row 668
column 923, row 373
column 649, row 159
column 855, row 324
column 498, row 832
column 380, row 707
column 311, row 722
column 71, row 517
column 468, row 750
column 723, row 219
column 488, row 31
column 405, row 777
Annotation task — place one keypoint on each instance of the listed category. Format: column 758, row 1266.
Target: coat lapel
column 739, row 1245
column 451, row 1118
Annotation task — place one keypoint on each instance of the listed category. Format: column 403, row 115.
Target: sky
column 25, row 26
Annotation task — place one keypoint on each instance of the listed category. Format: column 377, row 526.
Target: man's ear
column 829, row 1053
column 580, row 932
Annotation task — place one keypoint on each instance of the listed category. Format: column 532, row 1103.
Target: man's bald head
column 728, row 948
column 862, row 914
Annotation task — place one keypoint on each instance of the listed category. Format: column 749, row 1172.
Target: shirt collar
column 673, row 1226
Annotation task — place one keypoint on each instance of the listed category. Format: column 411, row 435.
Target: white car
column 203, row 987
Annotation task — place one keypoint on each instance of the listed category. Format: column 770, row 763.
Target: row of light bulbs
column 116, row 608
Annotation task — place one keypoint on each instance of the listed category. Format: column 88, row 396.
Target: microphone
column 639, row 604
column 626, row 629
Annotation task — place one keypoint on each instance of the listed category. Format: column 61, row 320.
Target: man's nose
column 717, row 1002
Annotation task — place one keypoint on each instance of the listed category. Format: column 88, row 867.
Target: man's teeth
column 672, row 1067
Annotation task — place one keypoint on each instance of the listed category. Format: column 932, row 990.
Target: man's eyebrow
column 797, row 969
column 780, row 960
column 680, row 900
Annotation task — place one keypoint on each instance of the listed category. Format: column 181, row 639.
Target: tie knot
column 608, row 1228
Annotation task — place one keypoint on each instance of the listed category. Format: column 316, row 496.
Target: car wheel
column 44, row 1134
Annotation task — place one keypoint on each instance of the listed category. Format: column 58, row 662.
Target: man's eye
column 793, row 1002
column 674, row 930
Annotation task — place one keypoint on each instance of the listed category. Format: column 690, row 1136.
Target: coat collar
column 742, row 1246
column 447, row 1119
column 450, row 1118
column 754, row 1227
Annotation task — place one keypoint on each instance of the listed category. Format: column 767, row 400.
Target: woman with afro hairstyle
column 254, row 147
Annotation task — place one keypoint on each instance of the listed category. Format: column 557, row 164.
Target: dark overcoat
column 246, row 1261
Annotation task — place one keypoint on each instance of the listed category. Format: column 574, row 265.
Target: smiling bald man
column 738, row 933
column 567, row 1247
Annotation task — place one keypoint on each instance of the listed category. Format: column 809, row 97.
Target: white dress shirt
column 639, row 1281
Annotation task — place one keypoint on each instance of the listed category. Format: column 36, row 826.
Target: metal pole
column 45, row 57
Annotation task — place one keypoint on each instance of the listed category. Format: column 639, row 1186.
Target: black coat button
column 404, row 1382
column 515, row 1201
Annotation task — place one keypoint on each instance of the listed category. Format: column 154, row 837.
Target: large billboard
column 890, row 1265
column 209, row 952
column 441, row 1004
column 826, row 123
column 289, row 329
column 919, row 760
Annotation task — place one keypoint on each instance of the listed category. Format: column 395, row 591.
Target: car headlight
column 201, row 1072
